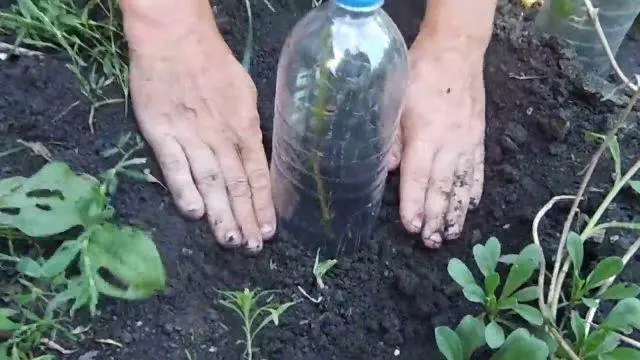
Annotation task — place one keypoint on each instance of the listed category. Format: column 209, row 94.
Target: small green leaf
column 521, row 270
column 508, row 259
column 607, row 268
column 621, row 353
column 449, row 343
column 29, row 267
column 576, row 251
column 5, row 323
column 578, row 325
column 471, row 329
column 61, row 259
column 590, row 303
column 624, row 317
column 600, row 342
column 635, row 185
column 507, row 303
column 529, row 313
column 460, row 273
column 494, row 335
column 487, row 256
column 522, row 345
column 527, row 294
column 474, row 293
column 620, row 291
column 552, row 343
column 491, row 283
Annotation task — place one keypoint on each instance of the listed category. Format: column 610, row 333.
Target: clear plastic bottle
column 341, row 81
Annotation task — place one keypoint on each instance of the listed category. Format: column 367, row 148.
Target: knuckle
column 259, row 179
column 239, row 187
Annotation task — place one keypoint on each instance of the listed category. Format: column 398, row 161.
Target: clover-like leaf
column 449, row 343
column 620, row 291
column 606, row 269
column 624, row 317
column 522, row 345
column 576, row 251
column 529, row 313
column 460, row 273
column 471, row 331
column 50, row 202
column 487, row 256
column 494, row 335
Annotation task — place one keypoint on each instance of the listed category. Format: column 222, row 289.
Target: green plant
column 561, row 330
column 320, row 268
column 95, row 48
column 254, row 317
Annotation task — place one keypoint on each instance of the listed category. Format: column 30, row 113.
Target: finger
column 177, row 174
column 415, row 170
column 210, row 182
column 459, row 201
column 239, row 192
column 257, row 169
column 438, row 196
column 395, row 153
column 477, row 182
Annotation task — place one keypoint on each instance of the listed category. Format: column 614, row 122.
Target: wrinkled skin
column 441, row 144
column 199, row 114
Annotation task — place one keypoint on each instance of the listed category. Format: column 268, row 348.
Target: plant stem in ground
column 557, row 278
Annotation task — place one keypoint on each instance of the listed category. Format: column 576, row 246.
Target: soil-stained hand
column 197, row 107
column 441, row 145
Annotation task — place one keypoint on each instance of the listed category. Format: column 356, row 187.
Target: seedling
column 245, row 305
column 320, row 268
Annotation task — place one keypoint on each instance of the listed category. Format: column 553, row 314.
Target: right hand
column 197, row 108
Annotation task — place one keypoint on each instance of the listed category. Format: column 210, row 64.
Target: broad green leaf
column 620, row 291
column 576, row 251
column 129, row 255
column 522, row 345
column 507, row 303
column 7, row 312
column 494, row 335
column 542, row 334
column 61, row 259
column 487, row 256
column 29, row 267
column 491, row 283
column 578, row 325
column 50, row 202
column 621, row 353
column 460, row 273
column 521, row 270
column 471, row 332
column 449, row 343
column 635, row 185
column 7, row 324
column 474, row 293
column 607, row 268
column 600, row 342
column 624, row 317
column 529, row 313
column 527, row 294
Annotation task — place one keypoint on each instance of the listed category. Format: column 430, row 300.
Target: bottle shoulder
column 331, row 36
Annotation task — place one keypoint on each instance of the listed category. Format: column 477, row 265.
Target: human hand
column 441, row 143
column 197, row 107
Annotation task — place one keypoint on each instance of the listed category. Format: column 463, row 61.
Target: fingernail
column 233, row 238
column 417, row 224
column 266, row 231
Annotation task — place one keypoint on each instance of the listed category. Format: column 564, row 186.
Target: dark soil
column 391, row 295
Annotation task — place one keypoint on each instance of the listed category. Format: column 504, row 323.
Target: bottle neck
column 358, row 6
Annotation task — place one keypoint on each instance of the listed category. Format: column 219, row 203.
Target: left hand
column 440, row 148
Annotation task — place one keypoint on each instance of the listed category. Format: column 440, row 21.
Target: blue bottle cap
column 360, row 4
